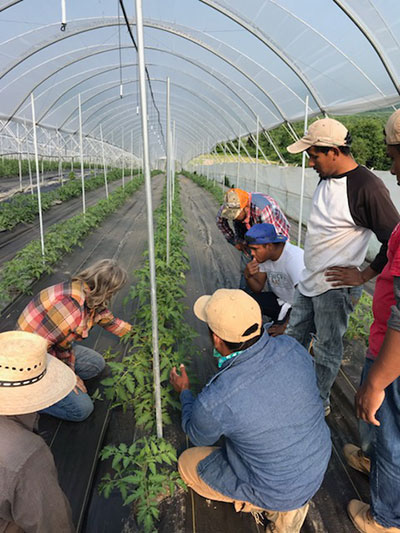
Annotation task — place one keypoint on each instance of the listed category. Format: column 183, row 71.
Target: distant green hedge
column 368, row 146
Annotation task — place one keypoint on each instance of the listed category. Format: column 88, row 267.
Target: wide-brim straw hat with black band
column 30, row 378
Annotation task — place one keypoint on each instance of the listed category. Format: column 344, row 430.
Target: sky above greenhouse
column 229, row 62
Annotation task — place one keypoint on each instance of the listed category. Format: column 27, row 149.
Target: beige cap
column 234, row 202
column 30, row 378
column 324, row 132
column 229, row 313
column 392, row 128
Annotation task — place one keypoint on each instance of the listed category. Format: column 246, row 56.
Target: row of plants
column 9, row 167
column 145, row 471
column 360, row 320
column 209, row 185
column 24, row 207
column 16, row 275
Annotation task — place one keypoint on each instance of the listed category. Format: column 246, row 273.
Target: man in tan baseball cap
column 30, row 379
column 378, row 398
column 349, row 204
column 264, row 400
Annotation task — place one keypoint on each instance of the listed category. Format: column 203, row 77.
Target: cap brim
column 58, row 381
column 230, row 212
column 200, row 305
column 298, row 147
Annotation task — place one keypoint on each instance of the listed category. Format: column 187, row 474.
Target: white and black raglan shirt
column 346, row 210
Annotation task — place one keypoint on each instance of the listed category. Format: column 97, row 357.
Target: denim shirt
column 266, row 404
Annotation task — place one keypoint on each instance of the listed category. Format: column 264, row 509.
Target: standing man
column 378, row 399
column 277, row 263
column 30, row 380
column 349, row 204
column 246, row 209
column 264, row 400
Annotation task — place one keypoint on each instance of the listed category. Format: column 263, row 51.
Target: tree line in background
column 366, row 129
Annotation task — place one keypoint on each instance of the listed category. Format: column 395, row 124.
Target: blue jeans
column 326, row 316
column 382, row 444
column 77, row 407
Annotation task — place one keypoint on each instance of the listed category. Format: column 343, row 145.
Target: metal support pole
column 131, row 155
column 29, row 160
column 303, row 170
column 146, row 158
column 123, row 160
column 104, row 161
column 257, row 138
column 208, row 166
column 173, row 162
column 269, row 138
column 238, row 164
column 81, row 151
column 37, row 175
column 168, row 128
column 19, row 159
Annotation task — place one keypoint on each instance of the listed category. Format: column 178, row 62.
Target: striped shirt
column 59, row 314
column 263, row 208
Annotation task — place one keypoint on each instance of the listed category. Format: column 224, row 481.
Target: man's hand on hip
column 179, row 382
column 339, row 276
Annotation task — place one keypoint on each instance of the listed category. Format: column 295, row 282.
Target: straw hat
column 30, row 378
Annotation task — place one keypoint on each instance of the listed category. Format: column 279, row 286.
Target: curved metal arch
column 372, row 42
column 187, row 132
column 188, row 118
column 211, row 104
column 126, row 123
column 184, row 58
column 172, row 28
column 112, row 117
column 112, row 48
column 126, row 82
column 261, row 36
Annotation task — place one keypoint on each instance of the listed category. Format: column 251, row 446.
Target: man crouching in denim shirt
column 264, row 400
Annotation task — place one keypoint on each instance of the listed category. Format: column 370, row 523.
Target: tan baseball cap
column 392, row 128
column 229, row 313
column 235, row 200
column 324, row 132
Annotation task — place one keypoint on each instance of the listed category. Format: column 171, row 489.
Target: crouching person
column 31, row 500
column 265, row 402
column 65, row 313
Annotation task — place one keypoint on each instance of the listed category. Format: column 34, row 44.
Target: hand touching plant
column 179, row 382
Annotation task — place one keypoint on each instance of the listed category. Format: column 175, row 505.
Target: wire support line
column 121, row 3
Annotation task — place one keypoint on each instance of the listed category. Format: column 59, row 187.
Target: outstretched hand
column 179, row 382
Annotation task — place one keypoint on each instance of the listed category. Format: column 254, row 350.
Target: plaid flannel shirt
column 263, row 209
column 60, row 315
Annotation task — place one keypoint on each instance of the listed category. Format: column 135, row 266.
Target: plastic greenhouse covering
column 228, row 63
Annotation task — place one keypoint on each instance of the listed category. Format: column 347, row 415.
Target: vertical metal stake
column 37, row 175
column 149, row 204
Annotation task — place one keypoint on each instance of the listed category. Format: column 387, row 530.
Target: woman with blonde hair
column 65, row 313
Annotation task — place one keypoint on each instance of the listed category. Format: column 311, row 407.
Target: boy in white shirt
column 280, row 263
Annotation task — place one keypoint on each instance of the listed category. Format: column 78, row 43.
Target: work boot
column 356, row 459
column 363, row 521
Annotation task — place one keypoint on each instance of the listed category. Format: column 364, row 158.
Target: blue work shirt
column 266, row 403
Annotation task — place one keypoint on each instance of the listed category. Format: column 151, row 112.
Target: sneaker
column 327, row 410
column 361, row 517
column 356, row 459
